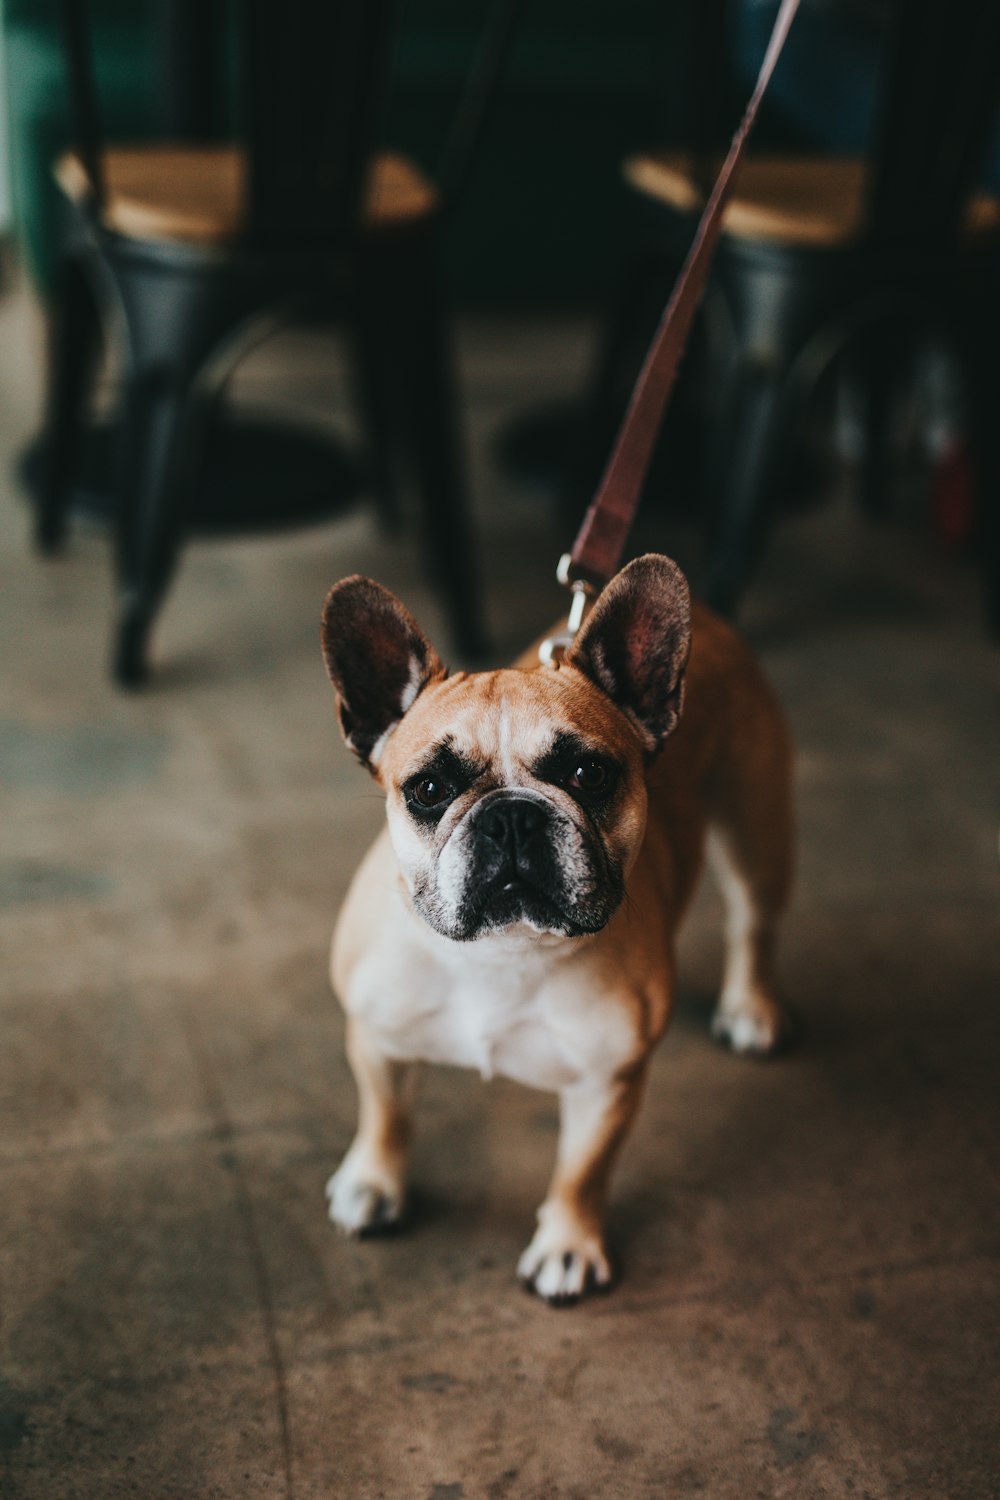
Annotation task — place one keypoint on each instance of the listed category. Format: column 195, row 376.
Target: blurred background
column 292, row 292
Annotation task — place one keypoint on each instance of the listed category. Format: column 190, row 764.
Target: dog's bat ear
column 378, row 659
column 635, row 644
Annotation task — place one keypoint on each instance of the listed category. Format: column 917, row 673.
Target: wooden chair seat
column 783, row 200
column 195, row 194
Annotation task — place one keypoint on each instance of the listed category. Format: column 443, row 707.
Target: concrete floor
column 810, row 1301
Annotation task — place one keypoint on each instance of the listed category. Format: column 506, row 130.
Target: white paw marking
column 359, row 1206
column 757, row 1026
column 563, row 1263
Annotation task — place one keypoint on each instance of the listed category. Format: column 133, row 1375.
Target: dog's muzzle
column 527, row 863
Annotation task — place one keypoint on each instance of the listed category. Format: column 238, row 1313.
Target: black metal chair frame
column 777, row 314
column 315, row 73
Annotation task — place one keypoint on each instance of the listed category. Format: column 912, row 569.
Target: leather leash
column 601, row 539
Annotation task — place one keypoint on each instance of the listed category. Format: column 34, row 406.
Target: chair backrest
column 941, row 85
column 314, row 78
column 189, row 38
column 312, row 81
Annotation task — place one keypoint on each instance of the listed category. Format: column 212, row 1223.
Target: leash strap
column 601, row 540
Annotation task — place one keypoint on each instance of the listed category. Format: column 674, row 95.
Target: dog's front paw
column 363, row 1202
column 564, row 1260
column 756, row 1025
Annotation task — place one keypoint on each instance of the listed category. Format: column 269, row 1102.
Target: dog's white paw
column 564, row 1261
column 756, row 1025
column 363, row 1202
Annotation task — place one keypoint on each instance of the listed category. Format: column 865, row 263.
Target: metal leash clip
column 554, row 647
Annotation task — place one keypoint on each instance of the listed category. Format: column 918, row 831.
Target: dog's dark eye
column 429, row 791
column 436, row 783
column 589, row 776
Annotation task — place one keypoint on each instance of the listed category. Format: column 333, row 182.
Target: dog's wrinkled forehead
column 507, row 720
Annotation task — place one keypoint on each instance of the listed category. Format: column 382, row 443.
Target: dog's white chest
column 487, row 1010
column 497, row 1023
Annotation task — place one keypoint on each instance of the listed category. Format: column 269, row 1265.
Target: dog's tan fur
column 578, row 1014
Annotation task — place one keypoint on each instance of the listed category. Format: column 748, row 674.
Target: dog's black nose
column 512, row 824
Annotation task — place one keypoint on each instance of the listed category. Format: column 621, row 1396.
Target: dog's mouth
column 513, row 901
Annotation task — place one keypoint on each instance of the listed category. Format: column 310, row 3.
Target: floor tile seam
column 12, row 1161
column 816, row 905
column 243, row 1202
column 148, row 1380
column 796, row 1284
column 963, row 1260
column 203, row 972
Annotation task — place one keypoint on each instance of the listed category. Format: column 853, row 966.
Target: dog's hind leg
column 367, row 1192
column 750, row 848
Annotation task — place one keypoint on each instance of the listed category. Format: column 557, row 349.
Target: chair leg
column 750, row 429
column 74, row 347
column 989, row 532
column 184, row 335
column 376, row 396
column 162, row 427
column 983, row 387
column 879, row 368
column 628, row 329
column 434, row 430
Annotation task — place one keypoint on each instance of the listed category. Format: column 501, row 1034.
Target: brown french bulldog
column 545, row 832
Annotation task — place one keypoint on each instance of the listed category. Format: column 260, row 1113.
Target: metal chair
column 817, row 252
column 203, row 246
